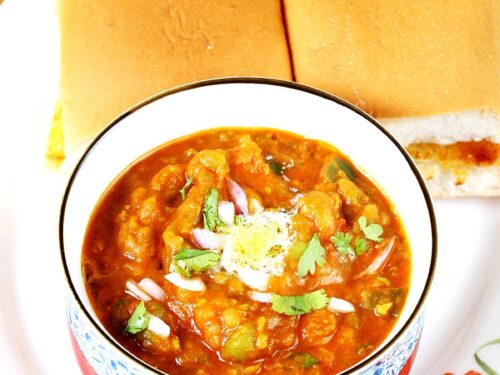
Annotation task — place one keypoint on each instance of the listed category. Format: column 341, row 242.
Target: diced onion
column 260, row 296
column 194, row 284
column 238, row 197
column 133, row 289
column 379, row 261
column 158, row 326
column 340, row 305
column 226, row 212
column 253, row 278
column 152, row 288
column 206, row 239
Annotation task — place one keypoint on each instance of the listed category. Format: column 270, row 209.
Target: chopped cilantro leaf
column 371, row 232
column 184, row 188
column 298, row 305
column 182, row 268
column 342, row 242
column 306, row 360
column 188, row 260
column 361, row 246
column 238, row 220
column 139, row 320
column 276, row 167
column 210, row 216
column 313, row 254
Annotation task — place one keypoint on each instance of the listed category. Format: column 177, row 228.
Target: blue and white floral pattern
column 395, row 360
column 102, row 357
column 107, row 360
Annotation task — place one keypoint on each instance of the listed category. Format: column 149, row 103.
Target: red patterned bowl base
column 87, row 369
column 82, row 361
column 409, row 363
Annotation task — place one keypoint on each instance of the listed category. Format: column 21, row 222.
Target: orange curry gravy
column 142, row 222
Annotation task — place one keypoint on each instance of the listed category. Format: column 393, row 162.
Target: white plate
column 463, row 306
column 462, row 311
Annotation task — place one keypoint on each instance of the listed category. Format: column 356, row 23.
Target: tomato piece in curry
column 246, row 251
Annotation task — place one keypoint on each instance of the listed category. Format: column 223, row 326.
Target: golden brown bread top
column 399, row 58
column 115, row 54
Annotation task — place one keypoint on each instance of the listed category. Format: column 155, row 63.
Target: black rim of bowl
column 263, row 81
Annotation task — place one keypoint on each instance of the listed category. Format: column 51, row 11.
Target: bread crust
column 400, row 58
column 115, row 54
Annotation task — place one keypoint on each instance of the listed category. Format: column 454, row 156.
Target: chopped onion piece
column 340, row 305
column 206, row 239
column 194, row 284
column 238, row 197
column 226, row 212
column 379, row 261
column 253, row 278
column 133, row 289
column 152, row 288
column 261, row 297
column 158, row 326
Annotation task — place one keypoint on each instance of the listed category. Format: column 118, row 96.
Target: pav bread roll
column 117, row 53
column 428, row 70
column 402, row 58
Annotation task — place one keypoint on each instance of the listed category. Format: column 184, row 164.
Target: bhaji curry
column 246, row 251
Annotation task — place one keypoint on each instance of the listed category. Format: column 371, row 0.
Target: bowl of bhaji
column 246, row 226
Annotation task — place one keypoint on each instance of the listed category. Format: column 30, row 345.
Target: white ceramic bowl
column 246, row 102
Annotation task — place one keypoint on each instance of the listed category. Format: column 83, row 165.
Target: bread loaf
column 428, row 70
column 115, row 54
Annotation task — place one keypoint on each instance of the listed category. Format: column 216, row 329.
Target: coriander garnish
column 192, row 260
column 313, row 254
column 184, row 188
column 342, row 242
column 298, row 305
column 210, row 216
column 139, row 320
column 372, row 232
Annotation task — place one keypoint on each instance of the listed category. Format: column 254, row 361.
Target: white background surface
column 463, row 308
